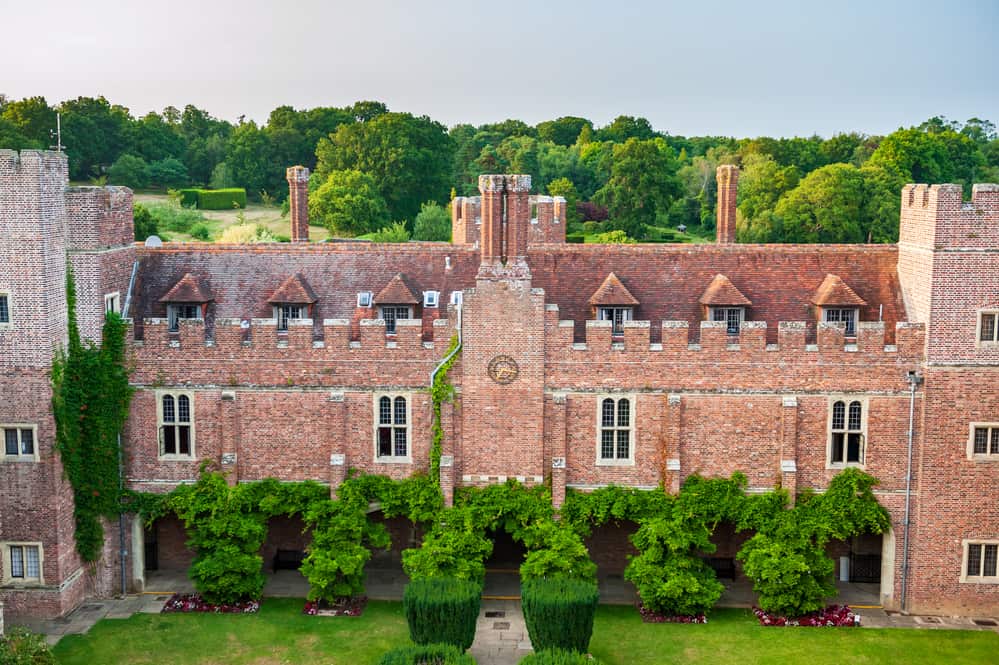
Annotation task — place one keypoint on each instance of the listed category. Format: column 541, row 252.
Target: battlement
column 935, row 216
column 31, row 164
column 99, row 217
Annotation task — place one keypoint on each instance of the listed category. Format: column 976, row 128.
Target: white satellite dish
column 154, row 242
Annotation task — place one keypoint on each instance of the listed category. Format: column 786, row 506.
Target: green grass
column 734, row 636
column 280, row 633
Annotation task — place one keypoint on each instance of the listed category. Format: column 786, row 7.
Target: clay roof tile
column 295, row 291
column 397, row 292
column 834, row 291
column 722, row 291
column 612, row 292
column 188, row 289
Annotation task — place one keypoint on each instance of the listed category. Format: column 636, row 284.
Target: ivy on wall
column 440, row 391
column 90, row 399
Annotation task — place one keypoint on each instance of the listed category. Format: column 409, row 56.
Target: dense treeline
column 373, row 166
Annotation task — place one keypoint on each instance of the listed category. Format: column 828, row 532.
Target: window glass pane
column 854, row 416
column 839, row 415
column 168, row 412
column 183, row 440
column 388, row 314
column 832, row 315
column 981, row 440
column 849, row 315
column 400, row 441
column 606, row 314
column 994, row 448
column 734, row 318
column 191, row 311
column 974, row 560
column 31, row 568
column 4, row 309
column 718, row 314
column 606, row 444
column 172, row 316
column 622, row 444
column 623, row 413
column 836, row 454
column 385, row 411
column 10, row 441
column 400, row 410
column 27, row 442
column 282, row 317
column 16, row 561
column 607, row 416
column 183, row 409
column 618, row 328
column 989, row 560
column 384, row 441
column 170, row 440
column 988, row 333
column 853, row 448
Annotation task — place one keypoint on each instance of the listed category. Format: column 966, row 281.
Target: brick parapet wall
column 99, row 217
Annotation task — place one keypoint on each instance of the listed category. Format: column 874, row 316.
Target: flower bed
column 834, row 615
column 193, row 602
column 648, row 616
column 343, row 607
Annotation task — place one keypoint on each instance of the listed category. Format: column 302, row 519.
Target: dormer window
column 397, row 300
column 457, row 297
column 287, row 312
column 732, row 316
column 845, row 315
column 180, row 311
column 431, row 298
column 618, row 315
column 392, row 313
column 364, row 299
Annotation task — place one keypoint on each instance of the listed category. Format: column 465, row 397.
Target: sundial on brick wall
column 503, row 369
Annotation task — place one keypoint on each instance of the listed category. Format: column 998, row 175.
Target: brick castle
column 581, row 366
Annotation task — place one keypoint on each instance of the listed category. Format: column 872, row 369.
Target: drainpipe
column 914, row 380
column 122, row 551
column 456, row 349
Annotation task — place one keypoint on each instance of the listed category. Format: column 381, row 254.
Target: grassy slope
column 281, row 634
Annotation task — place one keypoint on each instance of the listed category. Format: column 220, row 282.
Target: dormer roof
column 397, row 292
column 834, row 292
column 722, row 291
column 613, row 292
column 188, row 289
column 294, row 291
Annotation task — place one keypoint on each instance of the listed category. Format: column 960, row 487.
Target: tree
column 348, row 203
column 95, row 134
column 762, row 182
column 248, row 159
column 33, row 118
column 153, row 138
column 409, row 158
column 143, row 222
column 130, row 171
column 432, row 223
column 12, row 138
column 826, row 206
column 169, row 172
column 563, row 131
column 643, row 183
column 626, row 127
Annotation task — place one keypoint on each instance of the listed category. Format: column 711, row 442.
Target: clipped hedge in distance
column 428, row 654
column 559, row 612
column 221, row 199
column 442, row 610
column 558, row 657
column 188, row 197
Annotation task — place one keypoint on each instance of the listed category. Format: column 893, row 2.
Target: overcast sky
column 697, row 67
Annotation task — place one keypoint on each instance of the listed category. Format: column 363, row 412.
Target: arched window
column 615, row 430
column 392, row 435
column 176, row 425
column 846, row 444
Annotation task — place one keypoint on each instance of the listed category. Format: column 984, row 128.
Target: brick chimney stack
column 298, row 198
column 506, row 225
column 728, row 187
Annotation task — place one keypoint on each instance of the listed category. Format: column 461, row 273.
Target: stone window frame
column 993, row 431
column 8, row 577
column 9, row 323
column 982, row 313
column 4, row 457
column 283, row 313
column 160, row 425
column 173, row 320
column 599, row 428
column 376, row 426
column 395, row 315
column 966, row 544
column 112, row 302
column 724, row 311
column 864, row 413
column 617, row 326
column 856, row 318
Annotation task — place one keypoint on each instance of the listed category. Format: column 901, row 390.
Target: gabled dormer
column 294, row 299
column 187, row 299
column 613, row 302
column 395, row 301
column 723, row 302
column 836, row 302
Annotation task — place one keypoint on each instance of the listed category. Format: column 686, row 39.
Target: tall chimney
column 728, row 187
column 298, row 198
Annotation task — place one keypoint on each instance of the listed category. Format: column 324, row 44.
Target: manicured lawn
column 281, row 634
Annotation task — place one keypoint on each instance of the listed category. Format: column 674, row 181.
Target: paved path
column 500, row 634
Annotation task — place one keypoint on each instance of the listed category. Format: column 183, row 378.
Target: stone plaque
column 503, row 369
column 338, row 459
column 447, row 460
column 558, row 462
column 228, row 458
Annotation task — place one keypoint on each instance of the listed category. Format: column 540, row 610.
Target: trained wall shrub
column 559, row 612
column 430, row 654
column 221, row 199
column 442, row 611
column 558, row 657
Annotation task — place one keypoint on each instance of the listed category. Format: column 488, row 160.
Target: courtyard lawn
column 281, row 634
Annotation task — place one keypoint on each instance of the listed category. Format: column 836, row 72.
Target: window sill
column 984, row 458
column 615, row 462
column 845, row 465
column 176, row 458
column 17, row 459
column 393, row 460
column 25, row 584
column 979, row 580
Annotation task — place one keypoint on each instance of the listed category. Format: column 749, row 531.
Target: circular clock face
column 503, row 369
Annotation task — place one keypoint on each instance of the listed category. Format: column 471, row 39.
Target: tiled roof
column 834, row 291
column 188, row 289
column 294, row 291
column 397, row 292
column 721, row 291
column 612, row 292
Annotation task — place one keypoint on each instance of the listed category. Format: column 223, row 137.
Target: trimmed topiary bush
column 558, row 657
column 442, row 610
column 559, row 612
column 221, row 199
column 428, row 654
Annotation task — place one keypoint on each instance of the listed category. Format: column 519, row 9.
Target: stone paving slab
column 502, row 639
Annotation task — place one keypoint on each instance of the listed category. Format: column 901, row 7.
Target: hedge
column 428, row 654
column 189, row 197
column 559, row 612
column 558, row 657
column 442, row 610
column 221, row 199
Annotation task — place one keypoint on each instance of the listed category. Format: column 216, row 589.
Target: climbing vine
column 90, row 398
column 440, row 391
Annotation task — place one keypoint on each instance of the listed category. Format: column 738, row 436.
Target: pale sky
column 756, row 67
